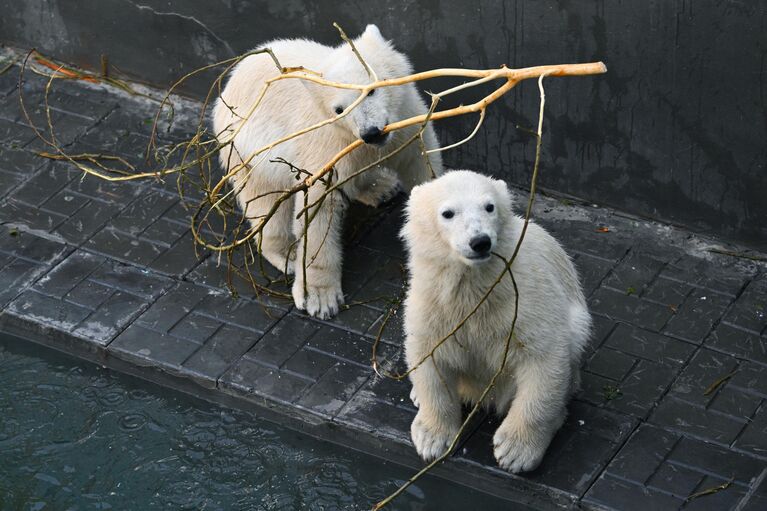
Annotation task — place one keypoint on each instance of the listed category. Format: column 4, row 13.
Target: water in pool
column 75, row 436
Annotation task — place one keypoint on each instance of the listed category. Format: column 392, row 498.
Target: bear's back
column 285, row 97
column 297, row 52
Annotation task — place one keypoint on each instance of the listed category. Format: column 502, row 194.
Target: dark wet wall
column 676, row 130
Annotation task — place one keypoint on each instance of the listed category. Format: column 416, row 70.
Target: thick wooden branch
column 513, row 76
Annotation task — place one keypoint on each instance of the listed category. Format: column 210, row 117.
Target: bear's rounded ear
column 503, row 192
column 417, row 197
column 372, row 31
column 410, row 204
column 414, row 193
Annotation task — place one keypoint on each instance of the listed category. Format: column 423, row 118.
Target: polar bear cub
column 293, row 104
column 455, row 225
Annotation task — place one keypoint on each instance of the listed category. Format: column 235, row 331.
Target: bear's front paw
column 319, row 301
column 518, row 453
column 431, row 438
column 385, row 188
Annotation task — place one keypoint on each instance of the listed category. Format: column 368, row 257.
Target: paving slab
column 674, row 393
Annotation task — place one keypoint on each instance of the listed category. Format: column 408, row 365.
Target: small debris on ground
column 611, row 392
column 709, row 491
column 711, row 388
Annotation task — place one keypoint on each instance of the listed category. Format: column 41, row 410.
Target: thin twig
column 710, row 491
column 9, row 65
column 461, row 142
column 371, row 74
column 741, row 255
column 711, row 388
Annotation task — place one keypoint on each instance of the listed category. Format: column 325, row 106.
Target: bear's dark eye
column 339, row 110
column 490, row 208
column 371, row 92
column 448, row 213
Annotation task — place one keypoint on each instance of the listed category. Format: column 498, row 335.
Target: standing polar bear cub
column 293, row 104
column 454, row 225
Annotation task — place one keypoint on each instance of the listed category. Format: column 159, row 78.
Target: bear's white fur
column 447, row 280
column 294, row 104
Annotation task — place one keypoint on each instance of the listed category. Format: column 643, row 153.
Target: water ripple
column 75, row 436
column 132, row 422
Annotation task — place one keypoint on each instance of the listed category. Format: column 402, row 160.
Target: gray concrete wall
column 676, row 130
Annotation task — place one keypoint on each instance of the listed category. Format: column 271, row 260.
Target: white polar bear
column 294, row 104
column 454, row 225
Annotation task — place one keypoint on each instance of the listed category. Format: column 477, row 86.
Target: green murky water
column 77, row 437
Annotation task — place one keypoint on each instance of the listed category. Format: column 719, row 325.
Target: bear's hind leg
column 277, row 243
column 253, row 189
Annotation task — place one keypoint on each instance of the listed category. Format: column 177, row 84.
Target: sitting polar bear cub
column 294, row 104
column 454, row 225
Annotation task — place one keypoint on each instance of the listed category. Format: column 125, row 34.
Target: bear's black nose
column 480, row 244
column 373, row 136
